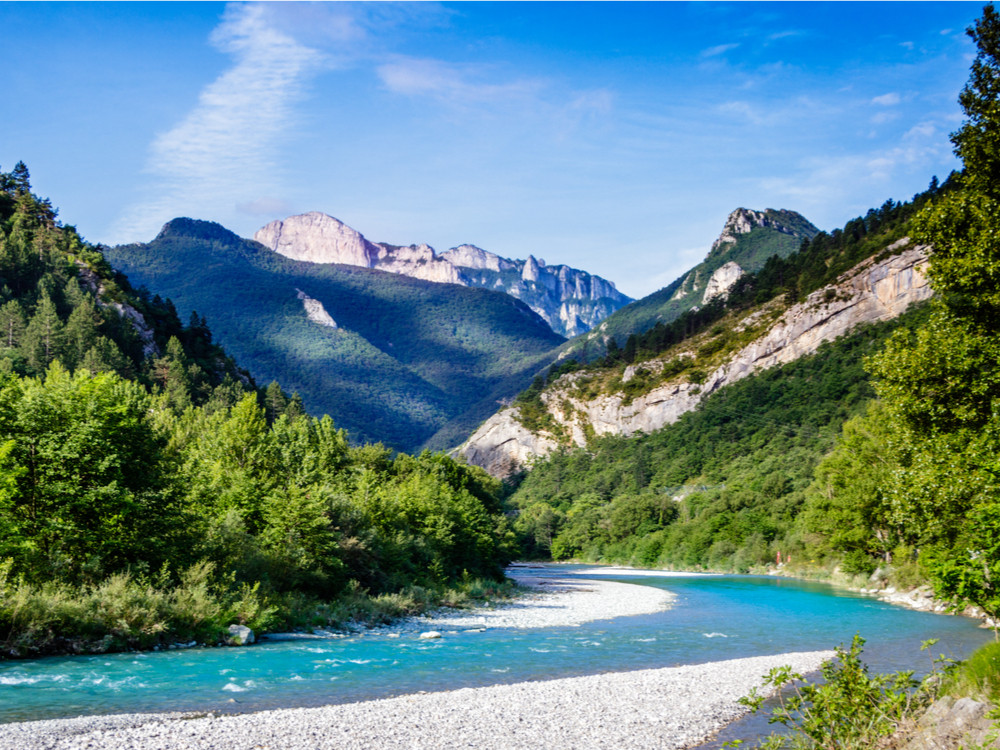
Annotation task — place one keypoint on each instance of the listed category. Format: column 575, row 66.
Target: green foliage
column 849, row 710
column 409, row 358
column 149, row 494
column 940, row 383
column 977, row 677
column 722, row 488
column 847, row 503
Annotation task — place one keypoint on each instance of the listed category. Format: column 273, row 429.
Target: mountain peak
column 745, row 220
column 569, row 300
column 317, row 237
column 196, row 228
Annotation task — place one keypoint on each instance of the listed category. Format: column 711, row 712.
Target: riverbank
column 547, row 599
column 659, row 708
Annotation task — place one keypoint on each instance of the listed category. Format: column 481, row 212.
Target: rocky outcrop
column 950, row 723
column 569, row 300
column 92, row 282
column 745, row 220
column 868, row 293
column 315, row 310
column 724, row 278
column 318, row 238
column 733, row 254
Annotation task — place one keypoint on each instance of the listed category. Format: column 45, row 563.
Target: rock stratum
column 871, row 292
column 569, row 300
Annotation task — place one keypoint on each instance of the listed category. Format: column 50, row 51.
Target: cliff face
column 868, row 293
column 569, row 300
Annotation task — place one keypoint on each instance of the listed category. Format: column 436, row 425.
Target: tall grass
column 131, row 612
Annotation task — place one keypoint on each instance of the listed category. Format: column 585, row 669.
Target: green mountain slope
column 748, row 239
column 406, row 356
column 721, row 488
column 726, row 485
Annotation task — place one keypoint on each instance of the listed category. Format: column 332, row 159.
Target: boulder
column 240, row 635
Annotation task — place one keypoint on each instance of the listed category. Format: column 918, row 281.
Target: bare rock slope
column 870, row 292
column 569, row 300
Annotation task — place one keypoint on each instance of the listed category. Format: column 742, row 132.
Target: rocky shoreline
column 658, row 708
column 676, row 707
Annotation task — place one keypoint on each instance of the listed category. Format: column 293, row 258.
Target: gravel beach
column 657, row 708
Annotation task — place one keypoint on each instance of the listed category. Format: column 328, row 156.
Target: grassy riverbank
column 127, row 613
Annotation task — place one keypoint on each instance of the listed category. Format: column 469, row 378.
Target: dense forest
column 150, row 492
column 408, row 358
column 878, row 452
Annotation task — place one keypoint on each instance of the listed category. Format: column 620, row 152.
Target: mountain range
column 569, row 300
column 401, row 344
column 391, row 358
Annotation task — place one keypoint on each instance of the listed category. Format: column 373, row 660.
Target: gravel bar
column 656, row 708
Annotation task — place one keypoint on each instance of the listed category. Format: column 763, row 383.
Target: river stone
column 430, row 634
column 240, row 635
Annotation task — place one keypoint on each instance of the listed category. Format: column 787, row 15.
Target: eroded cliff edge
column 873, row 291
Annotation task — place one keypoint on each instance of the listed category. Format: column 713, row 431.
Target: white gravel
column 657, row 708
column 559, row 602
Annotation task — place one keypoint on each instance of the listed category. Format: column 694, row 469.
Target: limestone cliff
column 569, row 300
column 868, row 293
column 748, row 238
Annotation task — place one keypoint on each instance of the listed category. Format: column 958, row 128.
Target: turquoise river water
column 714, row 618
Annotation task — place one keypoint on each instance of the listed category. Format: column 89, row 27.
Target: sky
column 612, row 137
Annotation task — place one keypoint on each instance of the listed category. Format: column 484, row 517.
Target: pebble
column 664, row 709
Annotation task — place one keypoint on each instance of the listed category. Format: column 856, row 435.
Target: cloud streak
column 223, row 152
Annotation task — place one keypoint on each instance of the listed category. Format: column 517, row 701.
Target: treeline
column 148, row 492
column 920, row 471
column 911, row 486
column 723, row 488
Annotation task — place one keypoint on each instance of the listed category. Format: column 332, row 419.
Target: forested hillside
column 719, row 489
column 748, row 240
column 149, row 493
column 879, row 451
column 406, row 358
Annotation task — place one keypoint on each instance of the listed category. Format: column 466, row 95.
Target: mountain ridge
column 404, row 358
column 571, row 301
column 748, row 238
column 871, row 292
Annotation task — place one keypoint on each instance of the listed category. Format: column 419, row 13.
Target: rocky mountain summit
column 871, row 292
column 569, row 300
column 747, row 239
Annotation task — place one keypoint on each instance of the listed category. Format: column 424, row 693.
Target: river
column 713, row 618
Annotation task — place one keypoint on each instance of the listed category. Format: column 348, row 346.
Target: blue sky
column 614, row 137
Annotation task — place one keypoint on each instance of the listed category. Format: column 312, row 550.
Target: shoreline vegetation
column 674, row 707
column 679, row 707
column 127, row 613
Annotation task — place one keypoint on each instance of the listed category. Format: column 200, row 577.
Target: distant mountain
column 389, row 357
column 569, row 300
column 747, row 240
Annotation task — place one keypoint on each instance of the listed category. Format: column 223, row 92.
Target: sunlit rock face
column 569, row 300
column 869, row 293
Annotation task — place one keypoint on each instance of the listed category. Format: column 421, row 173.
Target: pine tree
column 43, row 338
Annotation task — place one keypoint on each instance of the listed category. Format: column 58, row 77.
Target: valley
column 290, row 486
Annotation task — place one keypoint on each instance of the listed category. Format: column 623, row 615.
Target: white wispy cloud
column 887, row 100
column 223, row 151
column 719, row 49
column 454, row 84
column 784, row 34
